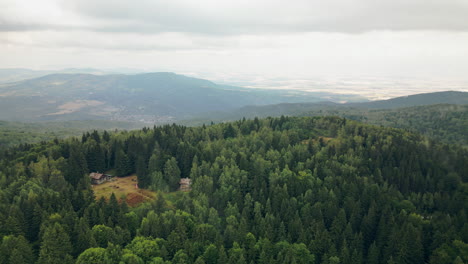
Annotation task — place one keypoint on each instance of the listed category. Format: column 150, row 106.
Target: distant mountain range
column 108, row 101
column 449, row 97
column 150, row 98
column 157, row 98
column 20, row 74
column 331, row 108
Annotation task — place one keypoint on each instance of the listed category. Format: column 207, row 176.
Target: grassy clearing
column 124, row 189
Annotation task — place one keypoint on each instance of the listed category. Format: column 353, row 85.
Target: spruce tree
column 55, row 247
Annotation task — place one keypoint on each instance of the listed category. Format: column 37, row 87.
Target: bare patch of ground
column 74, row 106
column 124, row 188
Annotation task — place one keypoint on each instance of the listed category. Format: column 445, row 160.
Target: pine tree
column 16, row 250
column 76, row 165
column 373, row 254
column 55, row 247
column 113, row 209
column 200, row 260
column 222, row 257
column 211, row 255
column 84, row 238
column 144, row 179
column 122, row 164
column 172, row 174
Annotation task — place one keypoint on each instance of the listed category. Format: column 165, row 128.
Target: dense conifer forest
column 276, row 190
column 447, row 123
column 16, row 133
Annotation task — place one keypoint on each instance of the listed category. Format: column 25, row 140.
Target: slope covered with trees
column 444, row 122
column 16, row 133
column 275, row 190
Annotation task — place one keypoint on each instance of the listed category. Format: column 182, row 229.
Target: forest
column 15, row 133
column 447, row 123
column 274, row 190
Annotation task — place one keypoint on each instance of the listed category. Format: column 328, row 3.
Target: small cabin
column 185, row 184
column 98, row 178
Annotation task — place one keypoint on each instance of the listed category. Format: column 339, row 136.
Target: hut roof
column 185, row 181
column 95, row 175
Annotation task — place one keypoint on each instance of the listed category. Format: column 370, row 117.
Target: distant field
column 124, row 188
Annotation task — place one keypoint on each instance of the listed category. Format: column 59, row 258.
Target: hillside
column 15, row 133
column 9, row 75
column 443, row 122
column 276, row 190
column 449, row 97
column 446, row 120
column 150, row 97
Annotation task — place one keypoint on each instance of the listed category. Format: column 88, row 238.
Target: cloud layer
column 300, row 38
column 234, row 17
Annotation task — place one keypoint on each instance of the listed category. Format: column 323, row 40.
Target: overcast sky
column 287, row 39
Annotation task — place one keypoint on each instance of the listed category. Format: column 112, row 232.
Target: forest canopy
column 273, row 190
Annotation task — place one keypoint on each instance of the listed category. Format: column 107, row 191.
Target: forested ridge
column 443, row 122
column 16, row 133
column 447, row 123
column 274, row 190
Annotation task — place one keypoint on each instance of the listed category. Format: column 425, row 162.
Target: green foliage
column 103, row 235
column 15, row 133
column 172, row 173
column 146, row 248
column 93, row 255
column 444, row 121
column 122, row 163
column 180, row 258
column 55, row 246
column 15, row 250
column 275, row 190
column 130, row 258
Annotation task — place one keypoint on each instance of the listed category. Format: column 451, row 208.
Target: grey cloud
column 251, row 17
column 89, row 40
column 12, row 26
column 16, row 26
column 245, row 17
